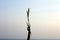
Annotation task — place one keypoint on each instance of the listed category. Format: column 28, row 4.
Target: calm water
column 31, row 39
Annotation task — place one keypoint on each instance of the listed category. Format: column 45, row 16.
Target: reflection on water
column 31, row 39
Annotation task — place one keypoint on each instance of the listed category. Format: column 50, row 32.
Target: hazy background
column 44, row 19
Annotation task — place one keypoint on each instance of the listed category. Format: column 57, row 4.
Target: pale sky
column 44, row 19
